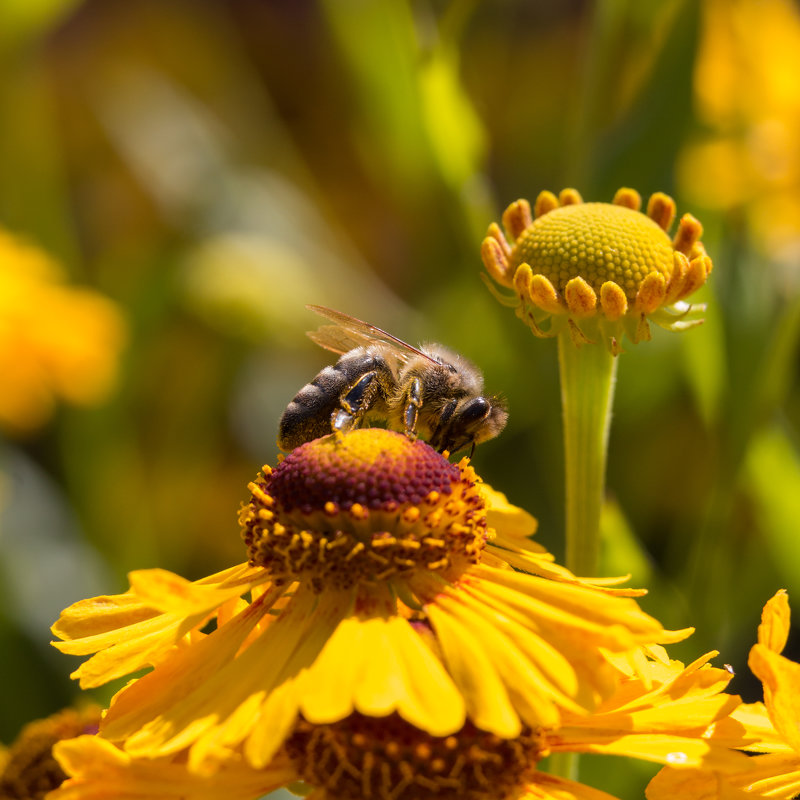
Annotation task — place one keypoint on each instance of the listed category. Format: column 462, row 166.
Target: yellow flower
column 56, row 341
column 774, row 770
column 28, row 769
column 599, row 269
column 746, row 156
column 665, row 716
column 377, row 588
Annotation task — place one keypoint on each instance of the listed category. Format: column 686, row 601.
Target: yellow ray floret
column 600, row 269
column 98, row 769
column 773, row 768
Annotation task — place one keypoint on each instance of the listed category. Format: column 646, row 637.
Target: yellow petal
column 98, row 771
column 617, row 622
column 486, row 698
column 754, row 718
column 126, row 631
column 278, row 716
column 774, row 776
column 98, row 615
column 170, row 593
column 692, row 784
column 781, row 679
column 271, row 670
column 505, row 517
column 427, row 696
column 381, row 665
column 677, row 751
column 199, row 681
column 774, row 628
column 533, row 696
column 551, row 787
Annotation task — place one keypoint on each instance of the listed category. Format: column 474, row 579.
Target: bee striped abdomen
column 308, row 416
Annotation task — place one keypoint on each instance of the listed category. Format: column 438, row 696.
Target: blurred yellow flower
column 598, row 270
column 28, row 769
column 774, row 769
column 376, row 587
column 56, row 341
column 748, row 155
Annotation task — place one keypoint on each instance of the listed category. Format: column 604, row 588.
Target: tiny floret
column 599, row 269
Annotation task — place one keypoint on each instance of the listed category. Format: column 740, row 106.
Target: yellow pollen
column 434, row 518
column 331, row 508
column 423, row 751
column 411, row 514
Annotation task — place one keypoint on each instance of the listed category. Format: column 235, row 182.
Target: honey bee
column 431, row 392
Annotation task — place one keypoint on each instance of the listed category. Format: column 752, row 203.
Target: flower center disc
column 596, row 241
column 374, row 468
column 387, row 759
column 363, row 506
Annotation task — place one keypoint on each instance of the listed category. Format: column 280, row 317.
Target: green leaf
column 456, row 133
column 704, row 360
column 622, row 552
column 772, row 477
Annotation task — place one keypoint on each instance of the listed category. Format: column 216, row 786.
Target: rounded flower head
column 363, row 508
column 602, row 269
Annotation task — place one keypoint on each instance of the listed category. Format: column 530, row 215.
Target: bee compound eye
column 476, row 409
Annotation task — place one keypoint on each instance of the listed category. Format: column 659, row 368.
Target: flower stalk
column 588, row 375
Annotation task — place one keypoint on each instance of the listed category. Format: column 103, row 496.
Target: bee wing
column 349, row 332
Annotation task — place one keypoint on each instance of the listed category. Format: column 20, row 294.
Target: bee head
column 469, row 421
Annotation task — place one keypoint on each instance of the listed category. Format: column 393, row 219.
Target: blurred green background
column 211, row 166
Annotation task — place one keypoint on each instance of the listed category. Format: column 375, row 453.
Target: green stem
column 565, row 765
column 587, row 389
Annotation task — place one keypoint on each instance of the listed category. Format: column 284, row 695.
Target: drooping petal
column 775, row 618
column 381, row 665
column 138, row 628
column 781, row 680
column 487, row 700
column 551, row 787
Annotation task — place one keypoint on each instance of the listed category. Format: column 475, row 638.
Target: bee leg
column 413, row 403
column 354, row 402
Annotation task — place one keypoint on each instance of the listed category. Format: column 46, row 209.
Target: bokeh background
column 179, row 179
